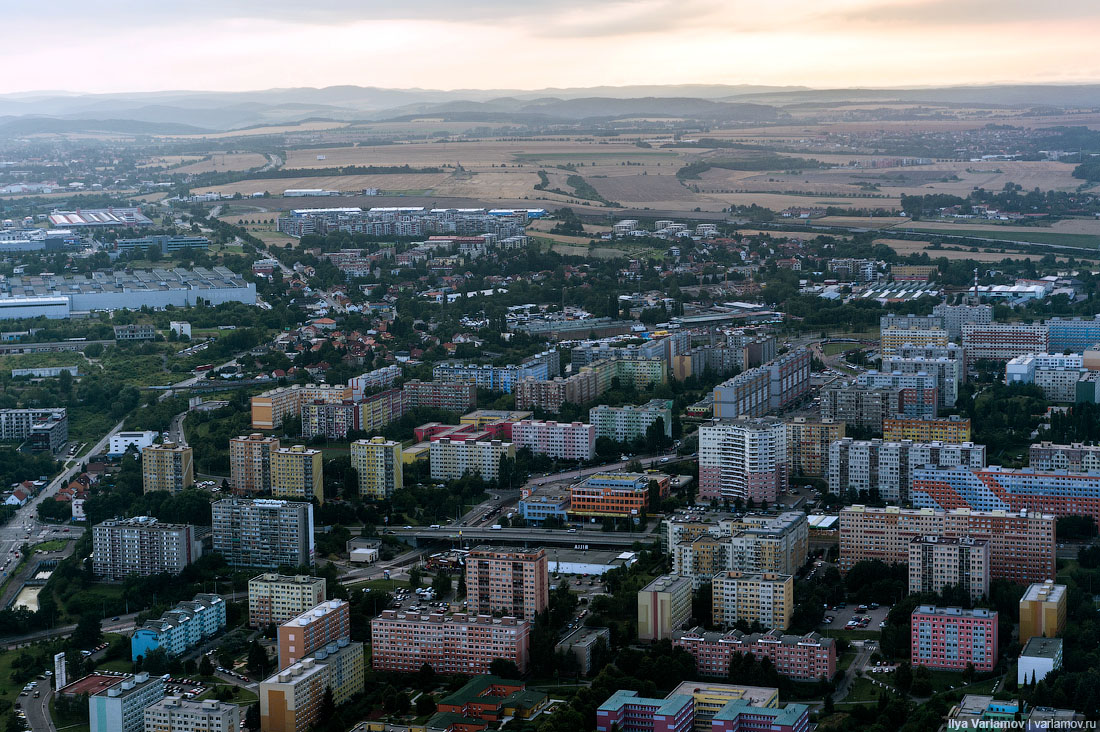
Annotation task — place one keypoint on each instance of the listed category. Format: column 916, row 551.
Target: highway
column 562, row 537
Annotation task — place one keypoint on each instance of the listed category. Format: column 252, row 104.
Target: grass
column 862, row 691
column 832, row 349
column 851, row 635
column 68, row 723
column 240, row 694
column 593, row 155
column 53, row 545
column 1083, row 241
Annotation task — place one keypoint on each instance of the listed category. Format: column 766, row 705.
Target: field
column 166, row 161
column 1039, row 236
column 224, row 163
column 866, row 222
column 269, row 130
column 343, row 183
column 904, row 247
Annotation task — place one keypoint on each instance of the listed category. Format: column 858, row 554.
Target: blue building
column 181, row 628
column 541, row 367
column 1073, row 334
column 545, row 502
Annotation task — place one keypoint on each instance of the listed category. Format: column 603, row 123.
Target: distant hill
column 19, row 126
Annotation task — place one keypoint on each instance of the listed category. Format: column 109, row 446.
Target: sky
column 134, row 45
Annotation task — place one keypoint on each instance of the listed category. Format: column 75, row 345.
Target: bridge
column 525, row 537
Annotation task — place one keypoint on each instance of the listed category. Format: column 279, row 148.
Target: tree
column 156, row 662
column 504, row 668
column 257, row 659
column 968, row 673
column 328, row 707
column 205, row 667
column 425, row 704
column 88, row 633
column 414, row 577
column 903, row 677
column 441, row 584
column 252, row 717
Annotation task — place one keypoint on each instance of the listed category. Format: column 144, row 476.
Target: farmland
column 905, row 247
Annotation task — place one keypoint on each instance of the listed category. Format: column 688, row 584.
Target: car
column 115, row 618
column 664, row 460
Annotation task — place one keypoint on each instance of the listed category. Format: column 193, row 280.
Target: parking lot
column 842, row 616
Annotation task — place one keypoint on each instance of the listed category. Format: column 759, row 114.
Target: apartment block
column 627, row 711
column 250, row 458
column 806, row 657
column 919, row 395
column 141, row 546
column 378, row 410
column 572, row 441
column 1021, row 545
column 808, row 443
column 314, row 629
column 1073, row 334
column 628, row 423
column 454, row 644
column 580, row 644
column 949, row 638
column 947, row 372
column 887, row 468
column 788, row 379
column 1043, row 611
column 167, row 467
column 18, row 424
column 753, row 597
column 1075, row 457
column 270, row 408
column 1008, row 489
column 291, row 699
column 664, row 605
column 1039, row 657
column 276, row 598
column 740, row 715
column 952, row 429
column 937, row 562
column 745, row 395
column 749, row 543
column 1002, row 341
column 451, row 459
column 296, row 473
column 711, row 698
column 452, row 396
column 919, row 331
column 955, row 316
column 1056, row 374
column 495, row 378
column 263, row 532
column 379, row 467
column 176, row 714
column 743, row 459
column 382, row 378
column 865, row 407
column 180, row 629
column 120, row 707
column 332, row 419
column 615, row 494
column 510, row 581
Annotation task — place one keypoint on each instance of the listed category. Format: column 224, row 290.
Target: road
column 863, row 655
column 38, row 710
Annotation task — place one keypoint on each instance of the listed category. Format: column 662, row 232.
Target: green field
column 832, row 349
column 593, row 155
column 862, row 690
column 1083, row 241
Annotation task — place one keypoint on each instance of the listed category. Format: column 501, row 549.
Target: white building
column 121, row 706
column 627, row 423
column 121, row 442
column 451, row 459
column 1056, row 374
column 568, row 441
column 743, row 459
column 888, row 467
column 180, row 328
column 1039, row 657
column 175, row 714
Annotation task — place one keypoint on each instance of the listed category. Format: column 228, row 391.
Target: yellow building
column 290, row 700
column 296, row 473
column 250, row 463
column 419, row 451
column 953, row 429
column 379, row 466
column 271, row 407
column 482, row 417
column 759, row 597
column 808, row 443
column 894, row 338
column 275, row 598
column 1043, row 611
column 167, row 467
column 710, row 698
column 664, row 605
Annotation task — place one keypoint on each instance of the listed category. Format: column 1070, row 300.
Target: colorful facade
column 806, row 658
column 510, row 581
column 756, row 597
column 167, row 467
column 250, row 463
column 296, row 473
column 951, row 638
column 952, row 429
column 379, row 467
column 743, row 459
column 808, row 444
column 573, row 441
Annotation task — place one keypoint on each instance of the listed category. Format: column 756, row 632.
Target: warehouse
column 55, row 308
column 100, row 217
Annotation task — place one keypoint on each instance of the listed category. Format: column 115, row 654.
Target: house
column 18, row 497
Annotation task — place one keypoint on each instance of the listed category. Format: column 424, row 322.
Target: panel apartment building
column 141, row 546
column 808, row 442
column 451, row 459
column 951, row 638
column 865, row 407
column 1002, row 341
column 250, row 463
column 296, row 473
column 753, row 597
column 292, row 698
column 887, row 468
column 806, row 657
column 509, row 581
column 572, row 441
column 937, row 562
column 378, row 467
column 176, row 714
column 314, row 629
column 450, row 644
column 1021, row 545
column 276, row 598
column 167, row 467
column 453, row 396
column 749, row 543
column 664, row 605
column 120, row 706
column 952, row 429
column 628, row 423
column 743, row 459
column 263, row 532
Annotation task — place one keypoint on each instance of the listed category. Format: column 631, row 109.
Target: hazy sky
column 120, row 45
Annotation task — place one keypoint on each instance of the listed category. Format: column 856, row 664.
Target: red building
column 950, row 638
column 455, row 644
column 798, row 657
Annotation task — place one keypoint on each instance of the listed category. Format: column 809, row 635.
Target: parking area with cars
column 853, row 616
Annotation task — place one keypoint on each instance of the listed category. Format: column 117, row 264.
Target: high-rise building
column 865, row 407
column 664, row 605
column 955, row 316
column 743, row 459
column 745, row 395
column 276, row 598
column 951, row 429
column 937, row 562
column 296, row 473
column 919, row 397
column 120, row 707
column 250, row 459
column 896, row 331
column 167, row 467
column 756, row 597
column 1043, row 611
column 450, row 644
column 1002, row 341
column 749, row 543
column 1075, row 457
column 806, row 657
column 887, row 468
column 452, row 396
column 1039, row 657
column 263, row 532
column 1021, row 545
column 628, row 423
column 378, row 466
column 572, row 441
column 951, row 638
column 510, row 581
column 270, row 408
column 788, row 378
column 451, row 459
column 291, row 699
column 808, row 443
column 314, row 629
column 141, row 546
column 1007, row 489
column 176, row 714
column 1073, row 334
column 948, row 373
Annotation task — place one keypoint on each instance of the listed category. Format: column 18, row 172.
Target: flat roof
column 91, row 683
column 758, row 696
column 1045, row 591
column 1040, row 647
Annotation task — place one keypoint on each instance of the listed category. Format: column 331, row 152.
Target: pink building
column 511, row 581
column 951, row 637
column 455, row 644
column 798, row 657
column 573, row 441
column 627, row 712
column 743, row 458
column 314, row 629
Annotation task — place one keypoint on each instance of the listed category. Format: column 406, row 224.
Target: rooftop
column 1040, row 647
column 787, row 716
column 670, row 705
column 956, row 612
column 758, row 696
column 1045, row 591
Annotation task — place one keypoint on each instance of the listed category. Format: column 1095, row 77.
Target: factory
column 53, row 296
column 82, row 218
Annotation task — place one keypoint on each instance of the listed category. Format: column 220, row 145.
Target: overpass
column 523, row 536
